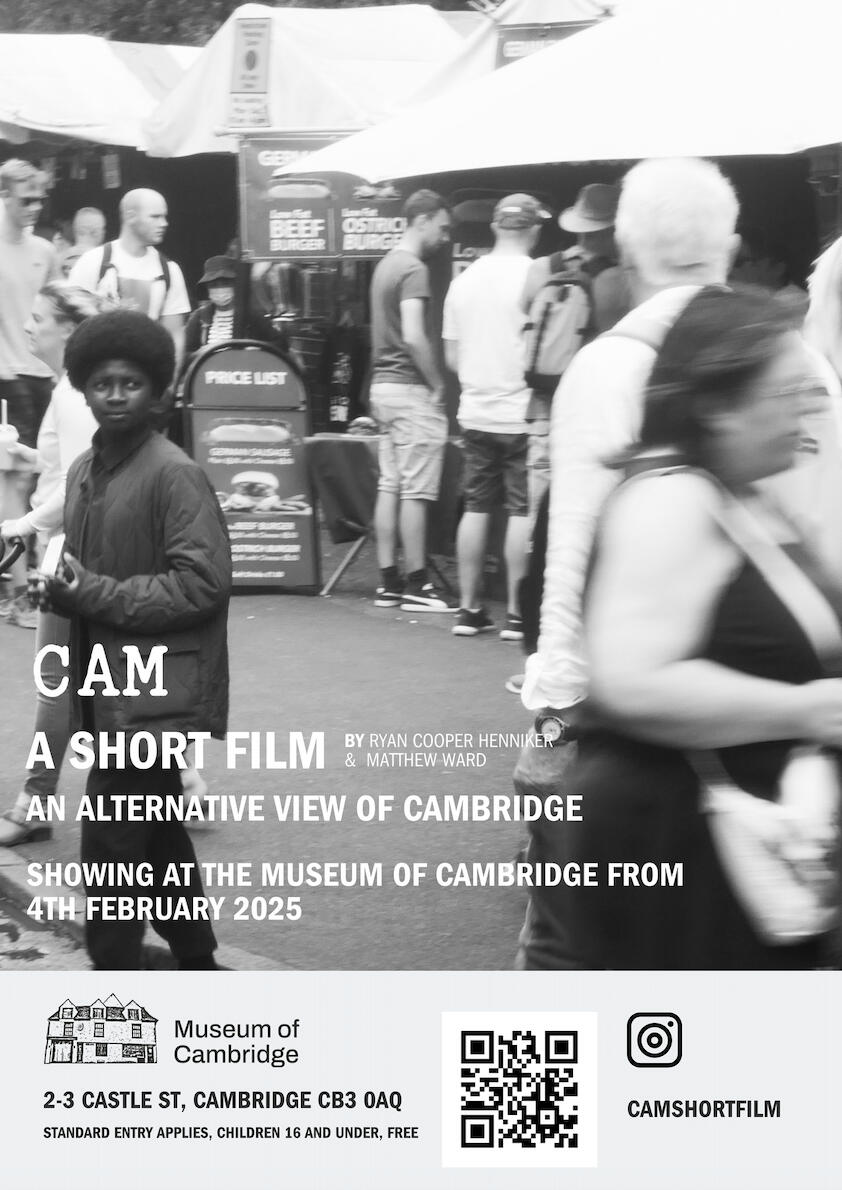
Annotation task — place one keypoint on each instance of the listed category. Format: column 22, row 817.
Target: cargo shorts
column 413, row 437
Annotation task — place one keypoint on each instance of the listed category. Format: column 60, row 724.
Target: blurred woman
column 65, row 432
column 690, row 648
column 823, row 324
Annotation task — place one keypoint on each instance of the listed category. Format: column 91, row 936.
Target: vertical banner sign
column 284, row 218
column 249, row 425
column 248, row 105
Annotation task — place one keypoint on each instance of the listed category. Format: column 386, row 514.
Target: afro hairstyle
column 121, row 335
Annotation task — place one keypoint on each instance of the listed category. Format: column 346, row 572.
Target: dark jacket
column 145, row 523
column 197, row 328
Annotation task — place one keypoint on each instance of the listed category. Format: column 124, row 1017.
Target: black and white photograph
column 421, row 582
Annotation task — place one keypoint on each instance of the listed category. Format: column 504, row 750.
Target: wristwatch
column 557, row 726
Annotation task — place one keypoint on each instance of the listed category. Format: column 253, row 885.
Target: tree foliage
column 169, row 22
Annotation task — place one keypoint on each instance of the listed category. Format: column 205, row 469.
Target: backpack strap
column 649, row 336
column 106, row 264
column 165, row 272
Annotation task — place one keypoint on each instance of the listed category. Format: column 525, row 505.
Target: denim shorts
column 413, row 437
column 494, row 473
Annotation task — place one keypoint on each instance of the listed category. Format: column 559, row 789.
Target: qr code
column 521, row 1089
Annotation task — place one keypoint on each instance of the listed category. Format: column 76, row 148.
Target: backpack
column 107, row 263
column 560, row 321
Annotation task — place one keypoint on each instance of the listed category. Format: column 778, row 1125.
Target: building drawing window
column 68, row 1029
column 137, row 1031
column 102, row 1050
column 97, row 1013
column 134, row 1014
column 67, row 1013
column 99, row 1030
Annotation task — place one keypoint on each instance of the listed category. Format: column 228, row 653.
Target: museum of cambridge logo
column 105, row 1031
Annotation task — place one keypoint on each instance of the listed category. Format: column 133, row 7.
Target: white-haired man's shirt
column 596, row 413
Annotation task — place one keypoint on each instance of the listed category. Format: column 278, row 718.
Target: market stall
column 719, row 78
column 297, row 79
column 83, row 88
column 75, row 104
column 300, row 72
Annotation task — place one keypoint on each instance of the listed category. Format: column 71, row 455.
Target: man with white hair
column 675, row 231
column 133, row 271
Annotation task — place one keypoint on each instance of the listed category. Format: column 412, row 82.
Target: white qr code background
column 519, row 1089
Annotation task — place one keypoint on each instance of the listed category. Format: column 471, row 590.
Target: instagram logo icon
column 654, row 1039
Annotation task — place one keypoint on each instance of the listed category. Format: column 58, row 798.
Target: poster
column 369, row 991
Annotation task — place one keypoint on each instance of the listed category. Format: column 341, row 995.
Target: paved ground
column 340, row 666
column 26, row 946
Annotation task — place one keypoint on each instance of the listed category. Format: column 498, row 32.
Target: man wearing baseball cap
column 483, row 345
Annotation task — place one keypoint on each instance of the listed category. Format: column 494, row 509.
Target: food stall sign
column 284, row 218
column 519, row 41
column 369, row 221
column 306, row 218
column 249, row 419
column 248, row 100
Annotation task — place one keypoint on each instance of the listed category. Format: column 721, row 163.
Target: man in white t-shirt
column 483, row 344
column 133, row 270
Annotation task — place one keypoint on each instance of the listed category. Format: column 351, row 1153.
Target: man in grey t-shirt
column 407, row 398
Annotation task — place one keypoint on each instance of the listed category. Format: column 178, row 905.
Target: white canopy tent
column 335, row 70
column 662, row 78
column 81, row 87
column 489, row 47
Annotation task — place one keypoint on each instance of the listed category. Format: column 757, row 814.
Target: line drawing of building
column 104, row 1031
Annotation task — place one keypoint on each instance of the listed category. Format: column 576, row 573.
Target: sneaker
column 514, row 684
column 388, row 597
column 22, row 614
column 513, row 629
column 471, row 623
column 427, row 598
column 15, row 830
